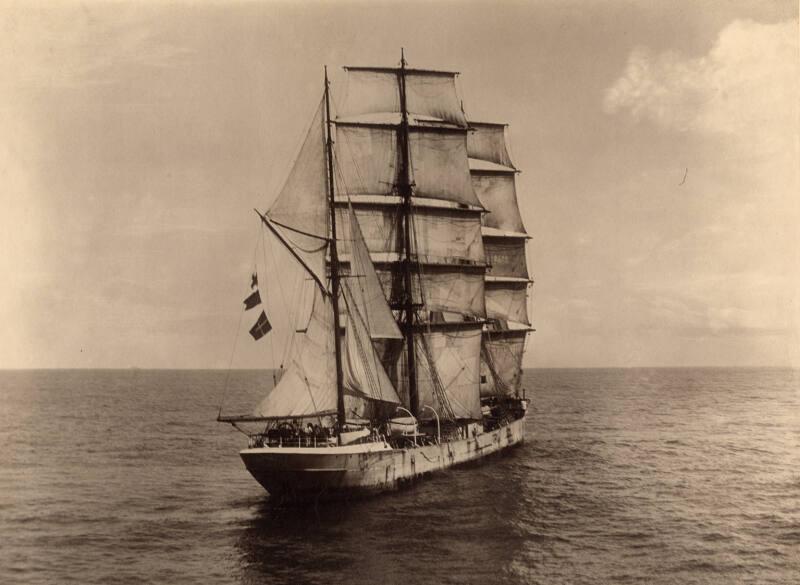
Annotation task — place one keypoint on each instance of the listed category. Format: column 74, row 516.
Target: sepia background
column 659, row 148
column 658, row 143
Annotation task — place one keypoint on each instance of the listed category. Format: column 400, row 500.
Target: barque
column 403, row 215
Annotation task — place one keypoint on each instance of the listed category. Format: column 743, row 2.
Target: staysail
column 365, row 289
column 372, row 394
column 299, row 216
column 308, row 385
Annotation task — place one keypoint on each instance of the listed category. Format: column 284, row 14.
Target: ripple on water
column 626, row 476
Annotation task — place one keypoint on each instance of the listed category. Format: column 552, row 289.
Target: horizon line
column 135, row 368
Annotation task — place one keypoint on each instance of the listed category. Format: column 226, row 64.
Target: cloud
column 74, row 45
column 745, row 88
column 730, row 266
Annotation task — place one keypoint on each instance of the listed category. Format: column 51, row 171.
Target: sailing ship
column 403, row 215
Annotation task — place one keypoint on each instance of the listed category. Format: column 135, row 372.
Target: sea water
column 626, row 476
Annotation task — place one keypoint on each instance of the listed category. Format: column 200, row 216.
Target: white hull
column 301, row 473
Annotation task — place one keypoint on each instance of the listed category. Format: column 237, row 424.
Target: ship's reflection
column 294, row 545
column 467, row 522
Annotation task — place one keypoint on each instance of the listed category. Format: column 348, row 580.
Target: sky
column 658, row 144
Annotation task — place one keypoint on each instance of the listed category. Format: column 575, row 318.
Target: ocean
column 626, row 476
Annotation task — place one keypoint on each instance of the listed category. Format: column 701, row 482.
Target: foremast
column 341, row 417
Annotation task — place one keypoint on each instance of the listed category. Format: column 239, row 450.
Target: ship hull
column 298, row 474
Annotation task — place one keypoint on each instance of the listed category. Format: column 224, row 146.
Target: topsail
column 368, row 161
column 430, row 95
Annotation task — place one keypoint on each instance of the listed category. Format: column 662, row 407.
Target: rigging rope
column 293, row 312
column 266, row 285
column 235, row 342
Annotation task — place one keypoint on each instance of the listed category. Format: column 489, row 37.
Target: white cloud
column 746, row 87
column 734, row 270
column 75, row 45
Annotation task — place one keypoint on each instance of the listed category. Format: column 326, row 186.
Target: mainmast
column 340, row 413
column 404, row 188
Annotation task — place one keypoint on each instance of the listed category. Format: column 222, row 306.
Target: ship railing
column 314, row 441
column 262, row 440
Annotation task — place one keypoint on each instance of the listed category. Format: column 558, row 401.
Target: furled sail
column 299, row 216
column 429, row 94
column 308, row 385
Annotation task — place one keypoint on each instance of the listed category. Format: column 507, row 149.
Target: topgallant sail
column 403, row 214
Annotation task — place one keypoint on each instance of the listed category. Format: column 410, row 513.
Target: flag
column 254, row 280
column 262, row 327
column 251, row 301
